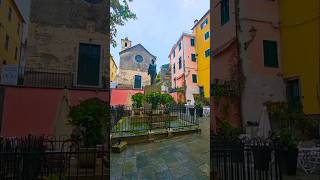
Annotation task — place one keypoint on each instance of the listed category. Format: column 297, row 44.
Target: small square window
column 193, row 57
column 270, row 53
column 174, row 68
column 206, row 35
column 192, row 42
column 224, row 11
column 204, row 23
column 180, row 63
column 179, row 46
column 194, row 78
column 207, row 53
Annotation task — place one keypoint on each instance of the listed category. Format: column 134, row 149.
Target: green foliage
column 158, row 78
column 166, row 99
column 227, row 132
column 198, row 105
column 154, row 99
column 90, row 119
column 287, row 138
column 138, row 100
column 119, row 14
column 180, row 90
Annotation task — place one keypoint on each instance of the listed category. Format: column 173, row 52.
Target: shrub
column 166, row 99
column 138, row 100
column 154, row 99
column 90, row 119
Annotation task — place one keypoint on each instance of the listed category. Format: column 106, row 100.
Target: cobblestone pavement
column 180, row 157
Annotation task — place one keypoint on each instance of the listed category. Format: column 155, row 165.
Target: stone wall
column 127, row 77
column 57, row 27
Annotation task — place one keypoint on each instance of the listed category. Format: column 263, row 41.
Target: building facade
column 299, row 25
column 113, row 70
column 11, row 31
column 201, row 32
column 183, row 62
column 165, row 75
column 68, row 41
column 246, row 41
column 134, row 65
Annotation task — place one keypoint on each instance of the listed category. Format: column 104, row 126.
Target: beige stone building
column 68, row 44
column 134, row 64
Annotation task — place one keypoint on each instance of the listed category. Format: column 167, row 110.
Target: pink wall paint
column 29, row 110
column 121, row 96
column 34, row 110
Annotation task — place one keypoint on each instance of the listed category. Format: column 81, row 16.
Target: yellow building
column 299, row 25
column 11, row 21
column 201, row 31
column 113, row 70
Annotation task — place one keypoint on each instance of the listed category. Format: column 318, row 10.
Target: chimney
column 196, row 21
column 125, row 43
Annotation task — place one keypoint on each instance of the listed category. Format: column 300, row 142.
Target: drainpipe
column 184, row 70
column 238, row 44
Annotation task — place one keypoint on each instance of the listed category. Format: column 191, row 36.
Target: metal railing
column 38, row 157
column 245, row 159
column 135, row 121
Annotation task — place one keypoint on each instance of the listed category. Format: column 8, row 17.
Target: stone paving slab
column 180, row 157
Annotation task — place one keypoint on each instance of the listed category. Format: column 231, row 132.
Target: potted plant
column 199, row 109
column 137, row 99
column 289, row 153
column 90, row 120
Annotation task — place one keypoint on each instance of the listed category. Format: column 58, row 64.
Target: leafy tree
column 138, row 99
column 120, row 13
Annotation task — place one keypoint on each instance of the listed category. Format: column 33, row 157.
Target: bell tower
column 125, row 43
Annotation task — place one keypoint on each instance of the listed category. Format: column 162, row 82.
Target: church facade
column 134, row 64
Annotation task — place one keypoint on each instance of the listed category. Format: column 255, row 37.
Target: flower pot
column 262, row 158
column 200, row 112
column 191, row 110
column 87, row 157
column 289, row 161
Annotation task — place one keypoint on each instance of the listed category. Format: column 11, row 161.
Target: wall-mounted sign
column 9, row 74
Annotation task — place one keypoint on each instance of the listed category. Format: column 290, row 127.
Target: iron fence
column 51, row 78
column 245, row 159
column 131, row 120
column 39, row 157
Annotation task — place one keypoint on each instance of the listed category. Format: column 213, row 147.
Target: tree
column 119, row 14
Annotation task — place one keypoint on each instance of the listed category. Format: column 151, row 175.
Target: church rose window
column 139, row 58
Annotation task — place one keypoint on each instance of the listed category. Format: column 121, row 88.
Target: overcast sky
column 159, row 25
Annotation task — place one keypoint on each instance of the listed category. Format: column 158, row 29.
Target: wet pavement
column 180, row 157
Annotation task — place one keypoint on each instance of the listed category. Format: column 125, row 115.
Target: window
column 174, row 68
column 6, row 44
column 207, row 53
column 192, row 42
column 125, row 44
column 206, row 35
column 0, row 2
column 179, row 46
column 194, row 78
column 137, row 82
column 270, row 54
column 174, row 53
column 224, row 11
column 139, row 58
column 193, row 57
column 10, row 14
column 16, row 54
column 18, row 28
column 293, row 93
column 201, row 91
column 180, row 63
column 204, row 23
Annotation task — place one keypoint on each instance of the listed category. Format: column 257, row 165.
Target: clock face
column 139, row 58
column 93, row 1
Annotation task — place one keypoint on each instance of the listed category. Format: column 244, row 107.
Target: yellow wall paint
column 300, row 48
column 203, row 62
column 10, row 28
column 113, row 70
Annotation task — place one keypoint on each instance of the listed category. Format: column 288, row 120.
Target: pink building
column 249, row 50
column 183, row 62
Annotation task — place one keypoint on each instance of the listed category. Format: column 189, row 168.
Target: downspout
column 184, row 70
column 240, row 76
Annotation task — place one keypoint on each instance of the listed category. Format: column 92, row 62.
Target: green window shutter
column 224, row 8
column 137, row 82
column 270, row 53
column 180, row 63
column 192, row 42
column 207, row 53
column 193, row 57
column 194, row 78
